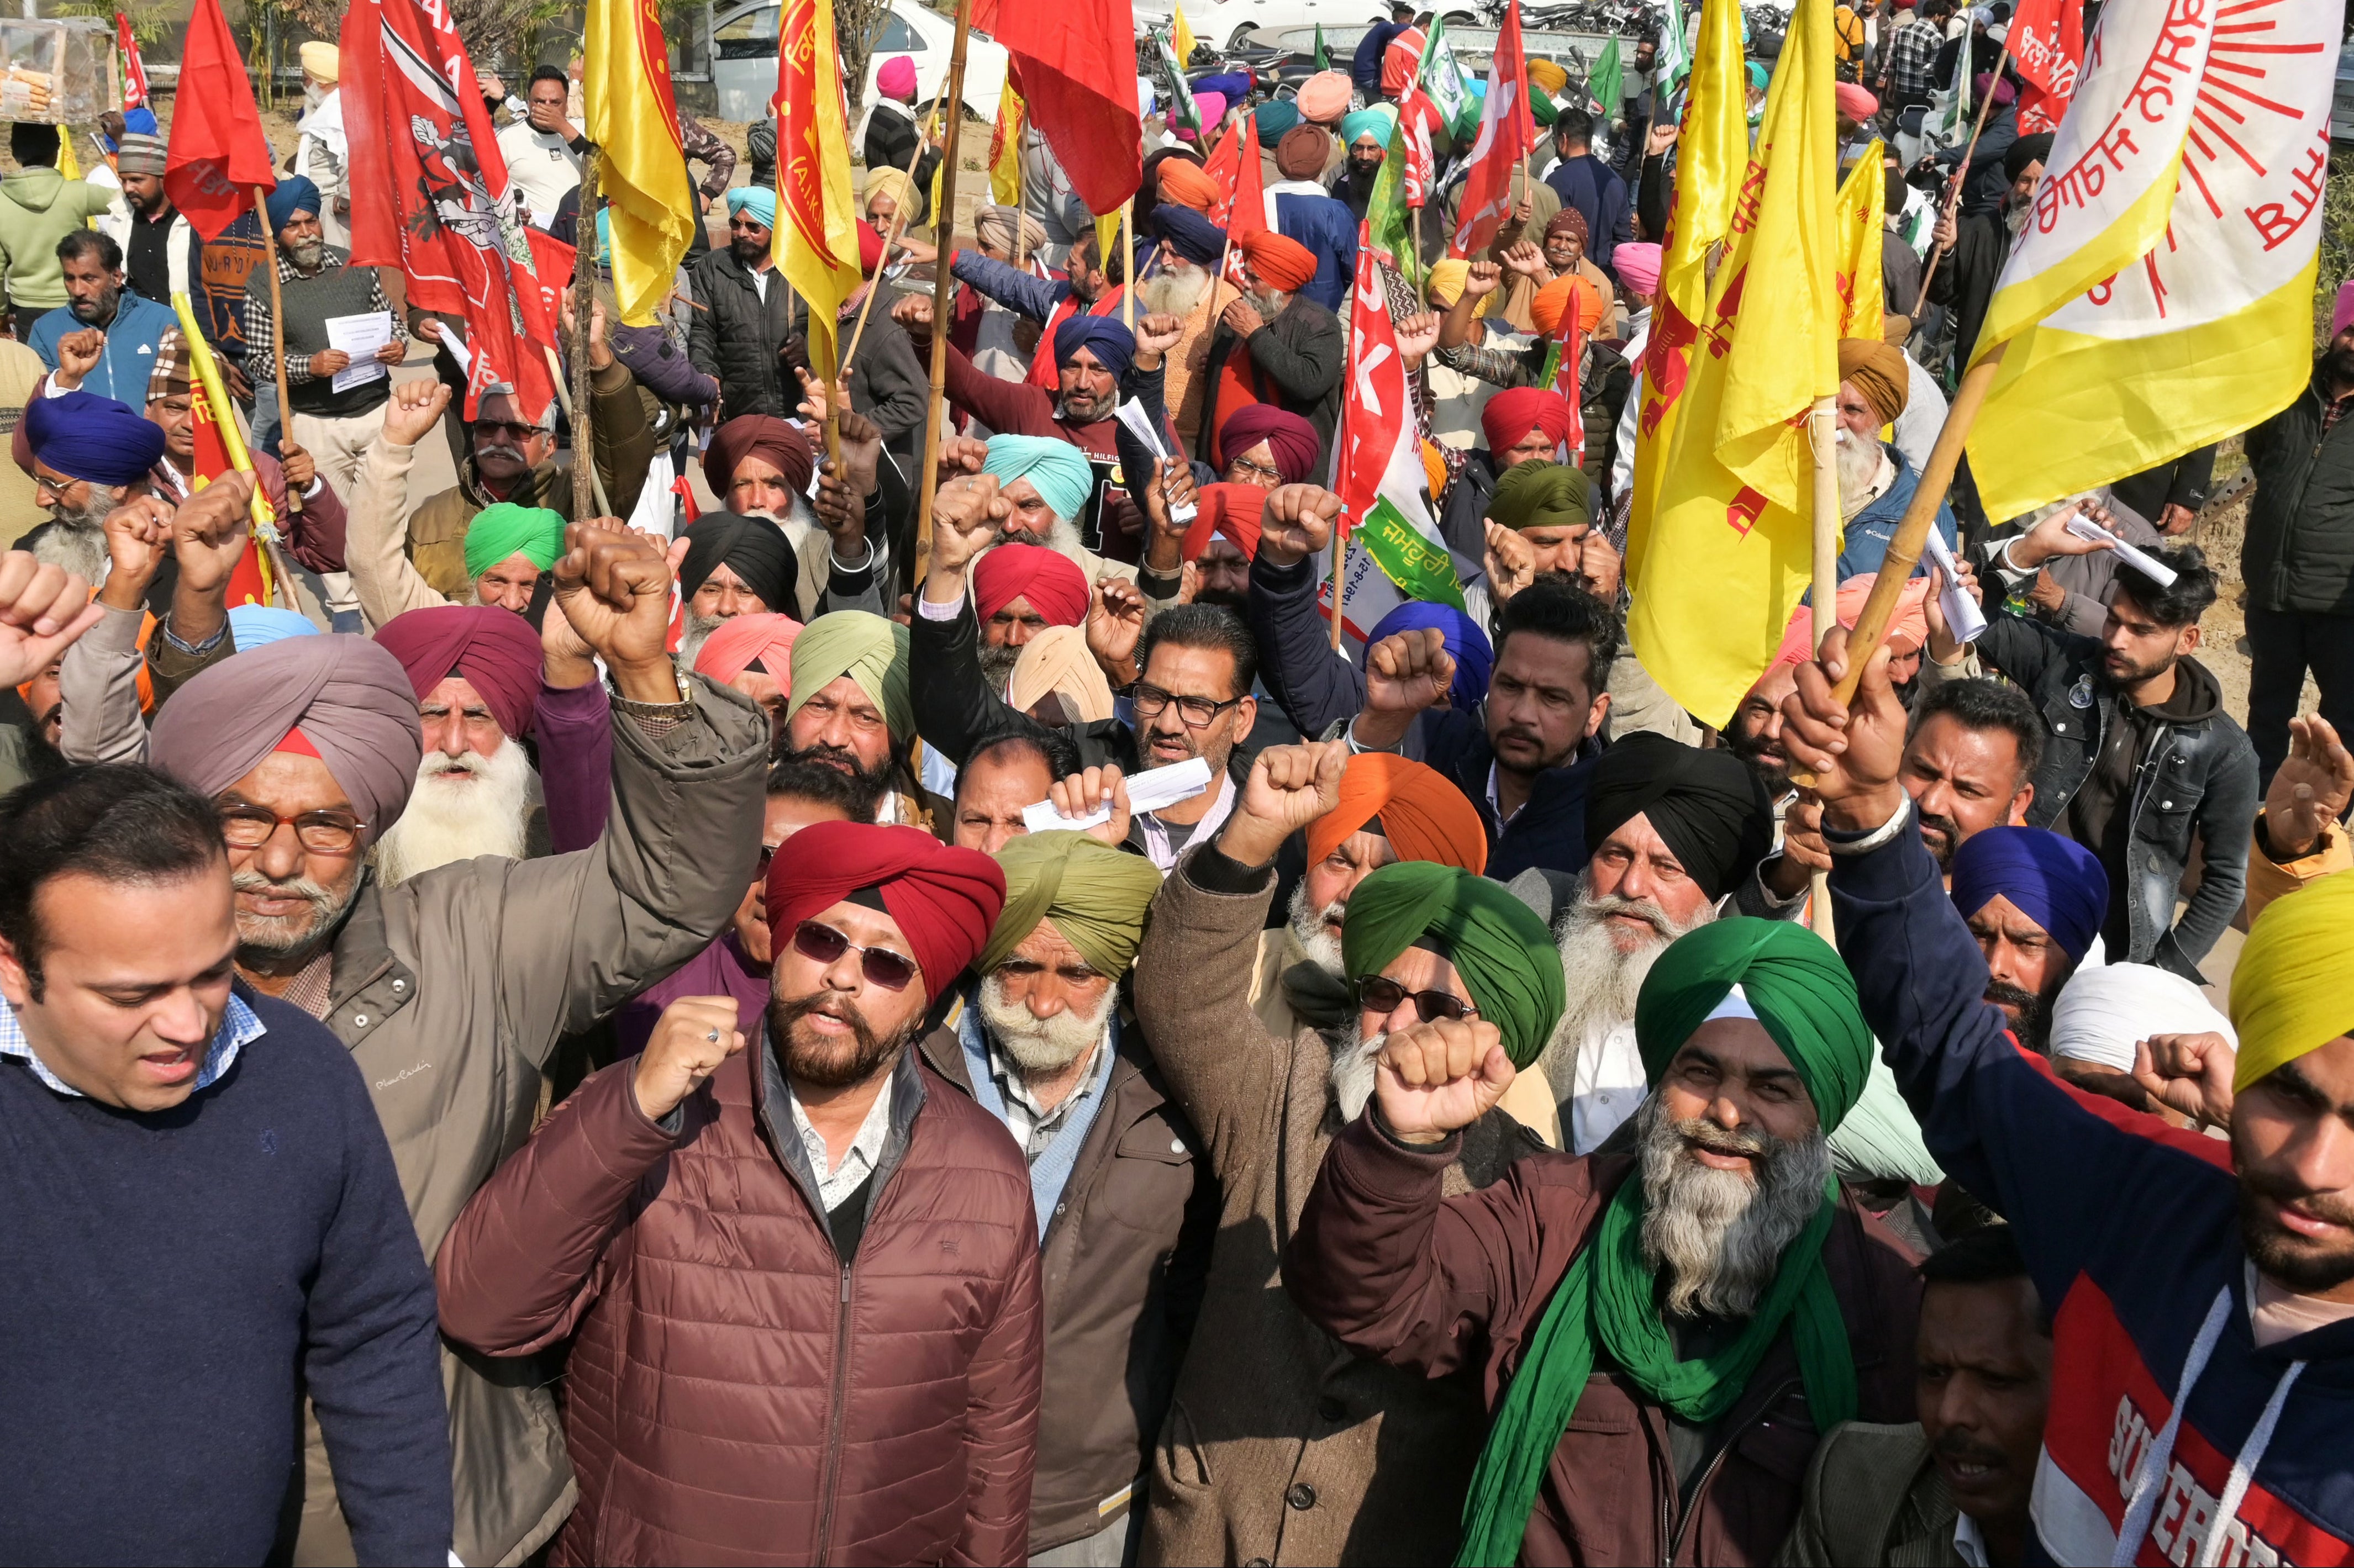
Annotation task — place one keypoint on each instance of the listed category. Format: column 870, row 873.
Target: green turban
column 1541, row 496
column 1504, row 953
column 868, row 649
column 1793, row 980
column 506, row 529
column 1095, row 896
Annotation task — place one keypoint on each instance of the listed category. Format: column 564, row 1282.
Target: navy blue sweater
column 176, row 1282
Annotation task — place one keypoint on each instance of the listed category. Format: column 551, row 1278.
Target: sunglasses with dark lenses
column 824, row 944
column 1380, row 996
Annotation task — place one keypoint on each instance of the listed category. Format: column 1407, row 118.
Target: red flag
column 1506, row 136
column 1244, row 212
column 430, row 195
column 1076, row 60
column 134, row 72
column 218, row 152
column 1419, row 163
column 2047, row 43
column 1225, row 162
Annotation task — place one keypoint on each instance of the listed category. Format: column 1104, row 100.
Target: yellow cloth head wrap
column 2289, row 994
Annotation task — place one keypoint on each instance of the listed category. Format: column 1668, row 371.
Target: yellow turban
column 895, row 183
column 868, row 649
column 1094, row 895
column 1056, row 662
column 1446, row 285
column 2289, row 994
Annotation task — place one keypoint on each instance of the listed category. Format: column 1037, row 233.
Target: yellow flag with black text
column 640, row 167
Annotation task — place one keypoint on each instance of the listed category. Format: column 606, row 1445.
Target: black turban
column 1708, row 806
column 754, row 548
column 2035, row 149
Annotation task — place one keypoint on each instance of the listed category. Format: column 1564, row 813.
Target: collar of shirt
column 835, row 1182
column 1969, row 1545
column 1031, row 1123
column 239, row 1028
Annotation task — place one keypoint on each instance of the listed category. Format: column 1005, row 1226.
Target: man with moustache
column 90, row 455
column 476, row 671
column 1191, row 249
column 1273, row 343
column 2033, row 900
column 1018, row 591
column 850, row 709
column 1969, row 761
column 1280, row 1445
column 734, row 566
column 859, row 1362
column 1664, row 1334
column 1005, row 772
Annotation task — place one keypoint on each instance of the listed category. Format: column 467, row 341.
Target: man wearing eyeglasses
column 452, row 990
column 1278, row 1446
column 803, row 1277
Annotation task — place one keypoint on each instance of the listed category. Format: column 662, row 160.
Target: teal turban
column 1504, row 953
column 506, row 529
column 868, row 649
column 1377, row 123
column 760, row 199
column 1059, row 469
column 1095, row 896
column 1793, row 980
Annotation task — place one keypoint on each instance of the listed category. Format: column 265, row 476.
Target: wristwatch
column 654, row 710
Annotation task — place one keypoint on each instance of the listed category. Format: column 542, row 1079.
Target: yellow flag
column 1862, row 211
column 815, row 239
column 1005, row 150
column 641, row 168
column 1731, row 547
column 1181, row 39
column 1711, row 153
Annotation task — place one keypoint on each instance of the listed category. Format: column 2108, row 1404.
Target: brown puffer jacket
column 737, row 1393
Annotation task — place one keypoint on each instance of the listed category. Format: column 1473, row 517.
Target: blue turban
column 1060, row 471
column 1377, row 123
column 294, row 194
column 1189, row 233
column 252, row 626
column 759, row 198
column 1112, row 344
column 1474, row 657
column 1274, row 118
column 84, row 436
column 140, row 121
column 1234, row 86
column 2053, row 881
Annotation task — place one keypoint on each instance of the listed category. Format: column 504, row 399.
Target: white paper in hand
column 1139, row 425
column 1963, row 617
column 359, row 337
column 2139, row 559
column 1154, row 791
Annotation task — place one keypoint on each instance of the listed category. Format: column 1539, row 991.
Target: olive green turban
column 506, row 529
column 1095, row 896
column 1541, row 496
column 868, row 649
column 1504, row 953
column 1793, row 980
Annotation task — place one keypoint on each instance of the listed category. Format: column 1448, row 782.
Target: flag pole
column 898, row 226
column 277, row 333
column 1128, row 264
column 1823, row 437
column 1962, row 172
column 919, row 558
column 584, row 300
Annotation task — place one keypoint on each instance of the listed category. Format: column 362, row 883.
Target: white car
column 1222, row 24
column 744, row 59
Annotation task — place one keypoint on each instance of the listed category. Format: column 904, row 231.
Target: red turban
column 1289, row 437
column 1233, row 510
column 1408, row 804
column 870, row 249
column 944, row 899
column 1511, row 416
column 783, row 446
column 1281, row 263
column 1185, row 184
column 744, row 641
column 1049, row 579
column 495, row 650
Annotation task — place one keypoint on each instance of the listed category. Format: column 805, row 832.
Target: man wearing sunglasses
column 1277, row 1447
column 816, row 1257
column 452, row 990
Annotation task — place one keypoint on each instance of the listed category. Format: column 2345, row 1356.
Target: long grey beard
column 74, row 545
column 1718, row 1237
column 1352, row 1074
column 997, row 661
column 1322, row 948
column 1041, row 1045
column 1177, row 291
column 1601, row 982
column 693, row 636
column 1062, row 538
column 1858, row 460
column 461, row 807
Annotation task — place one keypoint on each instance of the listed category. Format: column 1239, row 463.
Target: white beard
column 1719, row 1236
column 74, row 546
column 1178, row 292
column 693, row 636
column 1041, row 1045
column 461, row 807
column 1062, row 538
column 1352, row 1073
column 1321, row 947
column 1601, row 982
column 1858, row 462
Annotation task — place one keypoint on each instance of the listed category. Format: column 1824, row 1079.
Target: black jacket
column 1965, row 278
column 2192, row 779
column 1298, row 356
column 738, row 336
column 890, row 382
column 2300, row 550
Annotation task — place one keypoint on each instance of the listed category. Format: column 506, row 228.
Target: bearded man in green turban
column 1668, row 1330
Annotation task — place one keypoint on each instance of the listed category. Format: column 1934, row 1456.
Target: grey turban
column 349, row 696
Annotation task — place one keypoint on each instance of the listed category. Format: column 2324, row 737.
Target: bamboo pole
column 874, row 287
column 1823, row 437
column 277, row 334
column 564, row 402
column 1128, row 264
column 919, row 558
column 584, row 302
column 1961, row 175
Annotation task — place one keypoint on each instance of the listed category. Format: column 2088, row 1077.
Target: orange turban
column 1187, row 184
column 1281, row 263
column 1907, row 630
column 744, row 641
column 1409, row 803
column 1233, row 510
column 1552, row 302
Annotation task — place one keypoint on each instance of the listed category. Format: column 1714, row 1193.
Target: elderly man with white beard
column 90, row 454
column 1667, row 1332
column 476, row 670
column 1278, row 1447
column 1125, row 1205
column 1876, row 481
column 1191, row 247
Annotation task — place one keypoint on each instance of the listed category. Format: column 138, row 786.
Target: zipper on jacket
column 837, row 1411
column 1707, row 1477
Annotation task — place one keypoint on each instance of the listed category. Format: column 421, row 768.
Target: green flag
column 1324, row 55
column 1607, row 82
column 1442, row 78
column 1180, row 93
column 1389, row 223
column 1673, row 65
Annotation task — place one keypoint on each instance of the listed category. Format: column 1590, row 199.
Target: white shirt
column 1969, row 1545
column 543, row 166
column 1925, row 415
column 835, row 1182
column 1606, row 1086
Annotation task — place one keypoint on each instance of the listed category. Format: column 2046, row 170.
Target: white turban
column 2101, row 1012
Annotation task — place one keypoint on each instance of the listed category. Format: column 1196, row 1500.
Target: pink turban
column 1049, row 579
column 492, row 650
column 1855, row 102
column 744, row 641
column 1210, row 106
column 1324, row 97
column 896, row 78
column 1907, row 630
column 1637, row 263
column 2343, row 316
column 944, row 900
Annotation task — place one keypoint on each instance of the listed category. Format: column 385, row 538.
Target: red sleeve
column 1008, row 408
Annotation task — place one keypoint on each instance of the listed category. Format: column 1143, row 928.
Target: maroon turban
column 763, row 436
column 492, row 650
column 944, row 899
column 1289, row 437
column 1511, row 416
column 1049, row 579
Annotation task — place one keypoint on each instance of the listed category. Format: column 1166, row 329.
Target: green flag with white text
column 1442, row 78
